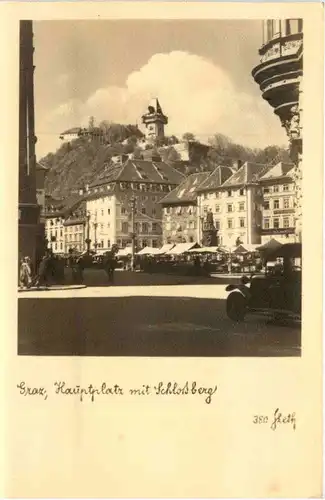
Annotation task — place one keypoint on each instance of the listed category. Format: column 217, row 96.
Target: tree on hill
column 77, row 162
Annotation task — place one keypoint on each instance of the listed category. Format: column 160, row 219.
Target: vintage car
column 276, row 293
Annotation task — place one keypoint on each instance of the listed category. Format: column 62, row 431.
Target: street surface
column 166, row 320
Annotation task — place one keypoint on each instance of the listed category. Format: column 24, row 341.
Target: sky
column 199, row 70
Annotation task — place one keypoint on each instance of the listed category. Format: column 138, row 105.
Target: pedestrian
column 110, row 264
column 25, row 273
column 72, row 264
column 80, row 269
column 42, row 277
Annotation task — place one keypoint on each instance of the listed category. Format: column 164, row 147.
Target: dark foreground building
column 31, row 231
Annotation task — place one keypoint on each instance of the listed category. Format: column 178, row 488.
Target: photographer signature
column 277, row 420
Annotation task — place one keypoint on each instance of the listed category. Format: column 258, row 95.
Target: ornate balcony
column 280, row 70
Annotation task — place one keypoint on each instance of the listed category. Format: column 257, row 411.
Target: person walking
column 80, row 269
column 42, row 277
column 25, row 273
column 110, row 264
column 72, row 263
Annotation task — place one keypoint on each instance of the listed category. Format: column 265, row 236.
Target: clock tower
column 154, row 121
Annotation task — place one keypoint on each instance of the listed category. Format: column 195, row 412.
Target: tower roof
column 155, row 113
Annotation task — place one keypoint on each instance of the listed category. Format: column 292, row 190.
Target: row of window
column 67, row 229
column 148, row 243
column 227, row 194
column 134, row 186
column 276, row 204
column 277, row 188
column 180, row 210
column 55, row 233
column 277, row 223
column 231, row 207
column 74, row 237
column 153, row 198
column 143, row 211
column 76, row 228
column 57, row 247
column 144, row 227
column 231, row 223
column 125, row 211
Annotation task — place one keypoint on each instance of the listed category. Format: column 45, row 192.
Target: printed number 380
column 260, row 419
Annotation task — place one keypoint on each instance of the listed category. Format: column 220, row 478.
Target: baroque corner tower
column 280, row 76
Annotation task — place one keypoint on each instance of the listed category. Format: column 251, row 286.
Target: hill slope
column 76, row 163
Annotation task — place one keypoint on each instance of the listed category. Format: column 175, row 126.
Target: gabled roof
column 249, row 173
column 186, row 191
column 62, row 207
column 140, row 171
column 279, row 170
column 217, row 178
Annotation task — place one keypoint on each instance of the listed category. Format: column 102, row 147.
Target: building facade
column 31, row 239
column 278, row 204
column 233, row 198
column 180, row 212
column 75, row 228
column 71, row 134
column 122, row 204
column 280, row 76
column 65, row 224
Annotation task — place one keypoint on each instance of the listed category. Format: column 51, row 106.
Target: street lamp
column 133, row 202
column 88, row 240
column 201, row 228
column 95, row 235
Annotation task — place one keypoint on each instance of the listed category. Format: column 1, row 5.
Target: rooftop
column 277, row 171
column 139, row 171
column 186, row 191
column 218, row 177
column 55, row 207
column 249, row 173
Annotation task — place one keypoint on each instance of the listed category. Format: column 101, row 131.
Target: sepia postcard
column 162, row 295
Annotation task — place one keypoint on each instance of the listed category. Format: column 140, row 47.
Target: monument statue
column 209, row 232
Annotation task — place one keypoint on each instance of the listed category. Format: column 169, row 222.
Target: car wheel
column 236, row 307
